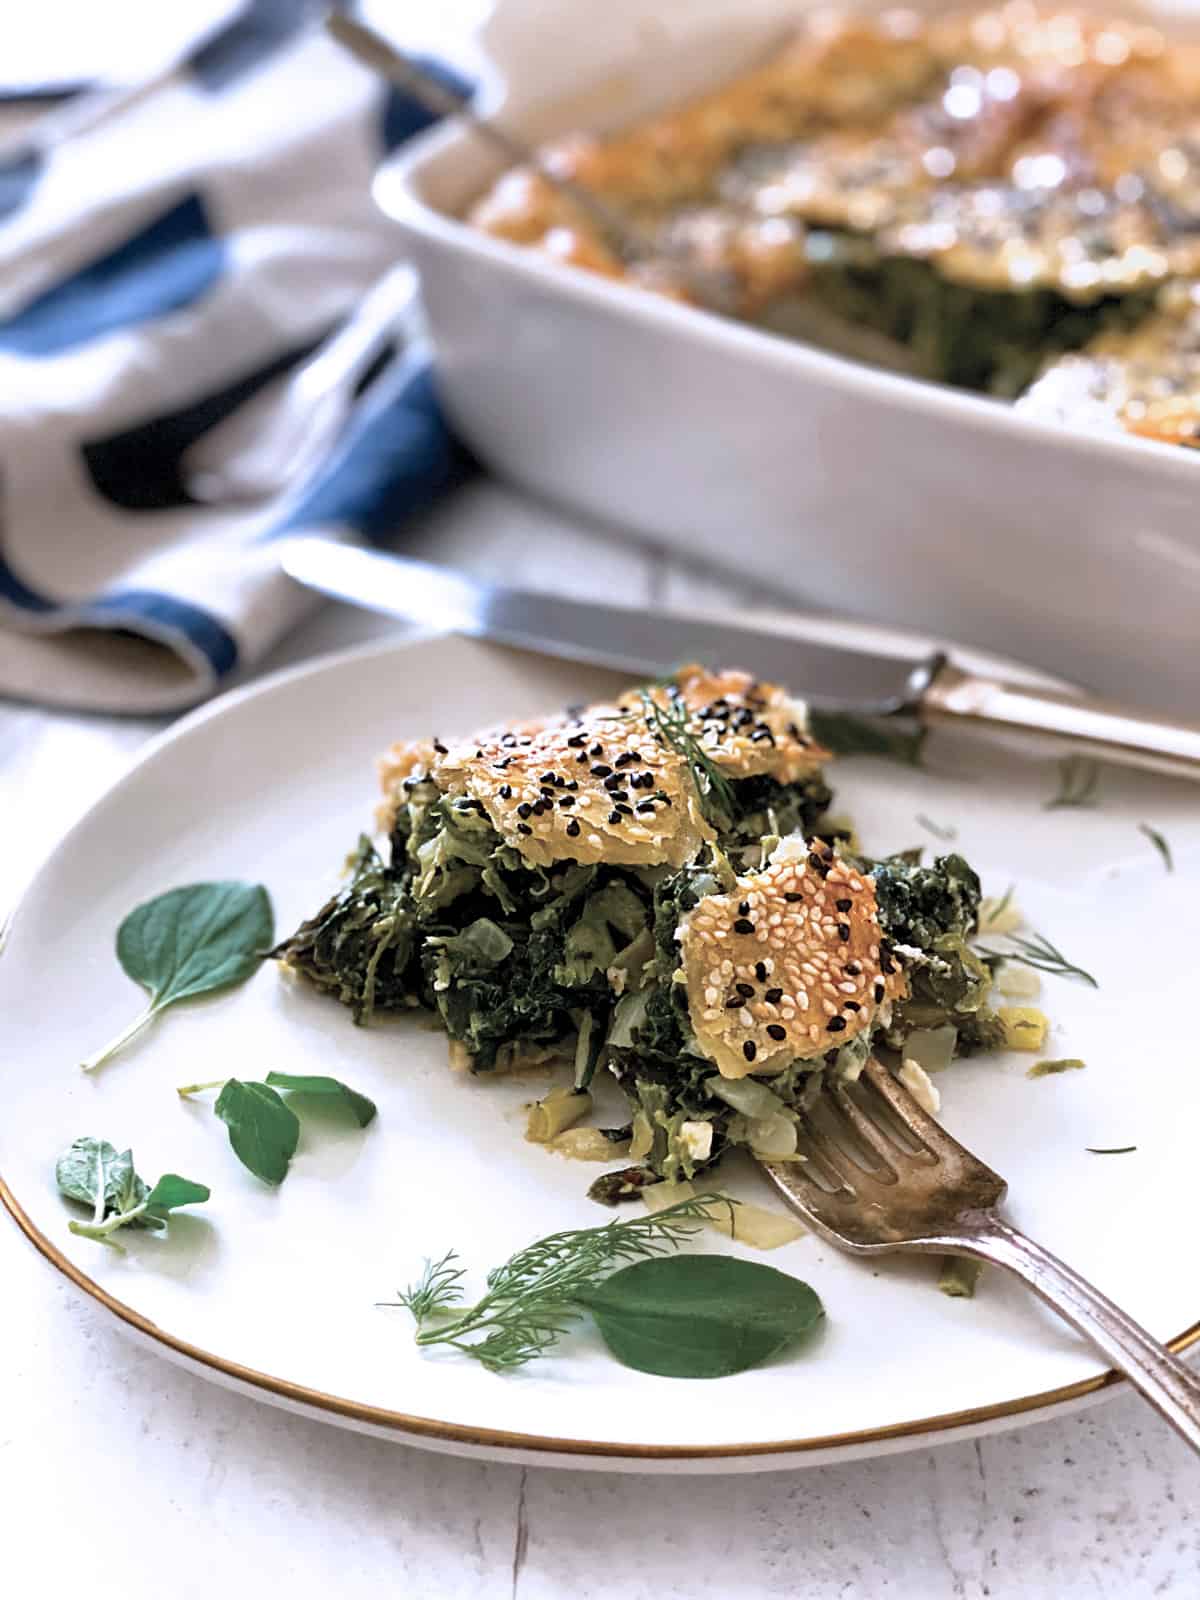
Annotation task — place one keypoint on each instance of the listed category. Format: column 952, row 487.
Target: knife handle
column 1098, row 728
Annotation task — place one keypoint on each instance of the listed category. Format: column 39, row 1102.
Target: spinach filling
column 992, row 340
column 516, row 959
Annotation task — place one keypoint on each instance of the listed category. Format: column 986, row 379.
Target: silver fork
column 880, row 1174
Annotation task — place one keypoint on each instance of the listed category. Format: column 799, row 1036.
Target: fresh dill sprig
column 1159, row 843
column 1041, row 955
column 534, row 1297
column 1078, row 779
column 939, row 830
column 437, row 1289
column 671, row 724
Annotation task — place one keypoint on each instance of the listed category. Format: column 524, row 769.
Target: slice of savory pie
column 652, row 887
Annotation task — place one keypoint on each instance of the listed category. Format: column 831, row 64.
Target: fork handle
column 1172, row 1388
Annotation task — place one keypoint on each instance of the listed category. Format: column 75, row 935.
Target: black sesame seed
column 852, row 1005
column 760, row 971
column 523, row 809
column 645, row 805
column 576, row 740
column 625, row 759
column 746, row 989
column 852, row 969
column 792, row 897
column 749, row 1049
column 523, row 827
column 573, row 786
column 581, row 758
column 566, row 800
column 743, row 925
column 744, row 909
column 440, row 747
column 573, row 828
column 600, row 771
column 844, row 932
column 836, row 1025
column 501, row 763
column 886, row 965
column 625, row 811
column 760, row 734
column 843, row 905
column 547, row 777
column 734, row 1003
column 818, row 865
column 878, row 992
column 776, row 1030
column 505, row 791
column 773, row 996
column 596, row 750
column 614, row 817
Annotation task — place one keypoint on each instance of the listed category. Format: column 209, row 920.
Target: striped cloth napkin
column 202, row 349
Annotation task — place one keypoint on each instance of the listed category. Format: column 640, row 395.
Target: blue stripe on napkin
column 19, row 176
column 399, row 457
column 169, row 263
column 141, row 468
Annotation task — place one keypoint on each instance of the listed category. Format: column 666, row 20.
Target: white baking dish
column 849, row 488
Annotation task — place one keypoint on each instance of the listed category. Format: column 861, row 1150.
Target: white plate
column 275, row 1292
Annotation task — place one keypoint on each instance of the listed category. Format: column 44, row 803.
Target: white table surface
column 121, row 1474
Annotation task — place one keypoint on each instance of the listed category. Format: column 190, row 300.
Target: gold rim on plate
column 401, row 1423
column 418, row 1428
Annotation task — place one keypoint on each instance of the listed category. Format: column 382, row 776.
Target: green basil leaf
column 362, row 1109
column 88, row 1170
column 263, row 1129
column 172, row 1191
column 700, row 1316
column 190, row 941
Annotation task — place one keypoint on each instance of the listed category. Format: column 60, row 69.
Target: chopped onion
column 643, row 1136
column 748, row 1224
column 1019, row 982
column 772, row 1136
column 1000, row 916
column 1025, row 1027
column 587, row 1144
column 932, row 1048
column 746, row 1095
column 561, row 1108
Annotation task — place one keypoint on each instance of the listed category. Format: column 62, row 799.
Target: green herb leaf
column 1078, row 779
column 171, row 1191
column 362, row 1109
column 1112, row 1150
column 672, row 726
column 1041, row 955
column 94, row 1174
column 852, row 736
column 700, row 1316
column 189, row 942
column 937, row 829
column 1159, row 843
column 534, row 1297
column 1047, row 1069
column 263, row 1130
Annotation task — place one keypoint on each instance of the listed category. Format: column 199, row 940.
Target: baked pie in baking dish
column 966, row 198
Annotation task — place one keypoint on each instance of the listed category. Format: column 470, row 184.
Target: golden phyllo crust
column 787, row 965
column 619, row 782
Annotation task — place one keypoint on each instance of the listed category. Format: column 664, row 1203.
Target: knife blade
column 642, row 642
column 932, row 689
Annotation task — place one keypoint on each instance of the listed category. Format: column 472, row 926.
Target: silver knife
column 930, row 690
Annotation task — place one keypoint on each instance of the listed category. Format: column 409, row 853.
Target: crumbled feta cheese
column 921, row 1086
column 695, row 1138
